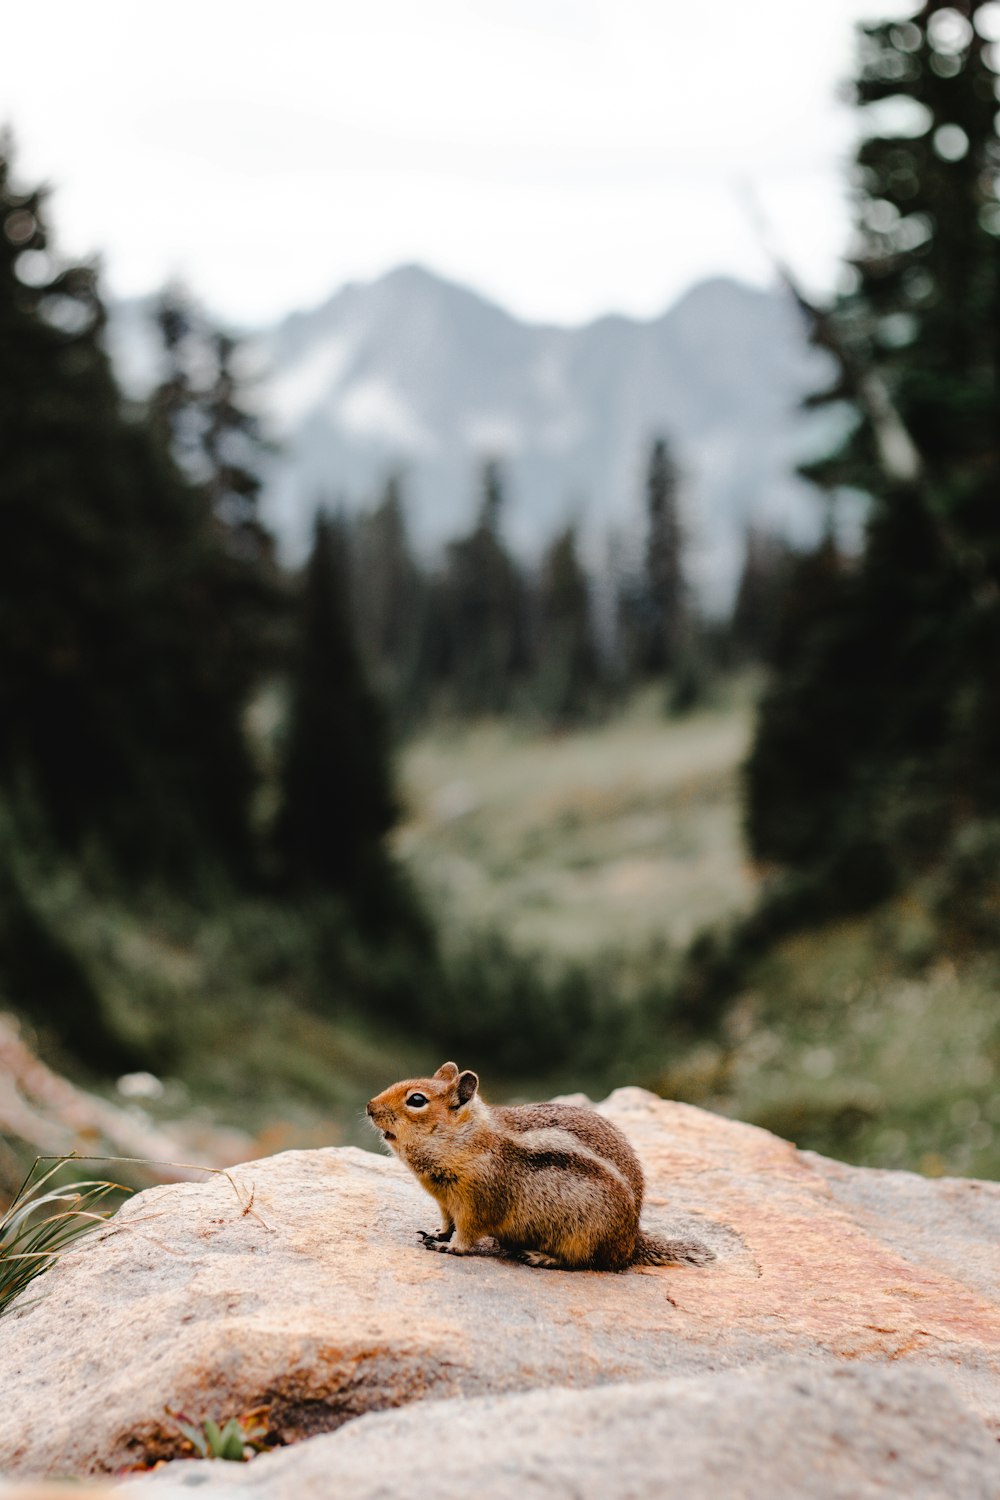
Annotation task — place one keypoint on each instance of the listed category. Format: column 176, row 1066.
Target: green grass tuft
column 44, row 1220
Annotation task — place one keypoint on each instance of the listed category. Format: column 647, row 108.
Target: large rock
column 843, row 1434
column 326, row 1306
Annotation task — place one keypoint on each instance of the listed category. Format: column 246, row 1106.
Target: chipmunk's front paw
column 435, row 1241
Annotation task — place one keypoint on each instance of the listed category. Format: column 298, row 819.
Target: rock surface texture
column 321, row 1305
column 846, row 1434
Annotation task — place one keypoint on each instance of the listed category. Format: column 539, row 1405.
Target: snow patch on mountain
column 371, row 408
column 294, row 393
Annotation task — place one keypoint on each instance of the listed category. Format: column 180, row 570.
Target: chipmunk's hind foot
column 538, row 1258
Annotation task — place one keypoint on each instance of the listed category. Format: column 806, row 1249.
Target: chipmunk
column 556, row 1185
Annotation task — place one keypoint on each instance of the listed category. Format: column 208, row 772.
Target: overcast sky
column 565, row 157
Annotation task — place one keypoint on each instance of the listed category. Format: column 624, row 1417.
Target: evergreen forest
column 210, row 861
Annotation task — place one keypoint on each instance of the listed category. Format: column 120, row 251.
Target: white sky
column 565, row 157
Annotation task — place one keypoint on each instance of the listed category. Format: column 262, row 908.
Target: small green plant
column 236, row 1441
column 43, row 1220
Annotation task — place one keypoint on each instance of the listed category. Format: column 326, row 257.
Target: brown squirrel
column 555, row 1184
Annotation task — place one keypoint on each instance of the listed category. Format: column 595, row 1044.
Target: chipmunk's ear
column 467, row 1085
column 448, row 1072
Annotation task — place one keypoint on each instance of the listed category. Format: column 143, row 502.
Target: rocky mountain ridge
column 417, row 375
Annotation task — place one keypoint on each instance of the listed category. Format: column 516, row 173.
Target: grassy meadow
column 866, row 1039
column 573, row 878
column 607, row 837
column 846, row 1041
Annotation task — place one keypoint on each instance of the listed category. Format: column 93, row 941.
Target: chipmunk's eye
column 415, row 1101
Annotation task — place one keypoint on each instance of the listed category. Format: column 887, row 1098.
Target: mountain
column 416, row 374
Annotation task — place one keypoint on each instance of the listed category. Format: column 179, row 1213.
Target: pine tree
column 57, row 407
column 882, row 729
column 924, row 316
column 754, row 620
column 213, row 435
column 663, row 602
column 117, row 722
column 200, row 415
column 486, row 651
column 390, row 604
column 568, row 667
column 338, row 802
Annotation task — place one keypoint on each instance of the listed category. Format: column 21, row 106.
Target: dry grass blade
column 40, row 1225
column 245, row 1200
column 31, row 1238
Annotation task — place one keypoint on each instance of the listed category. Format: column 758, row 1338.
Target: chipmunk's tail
column 651, row 1250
